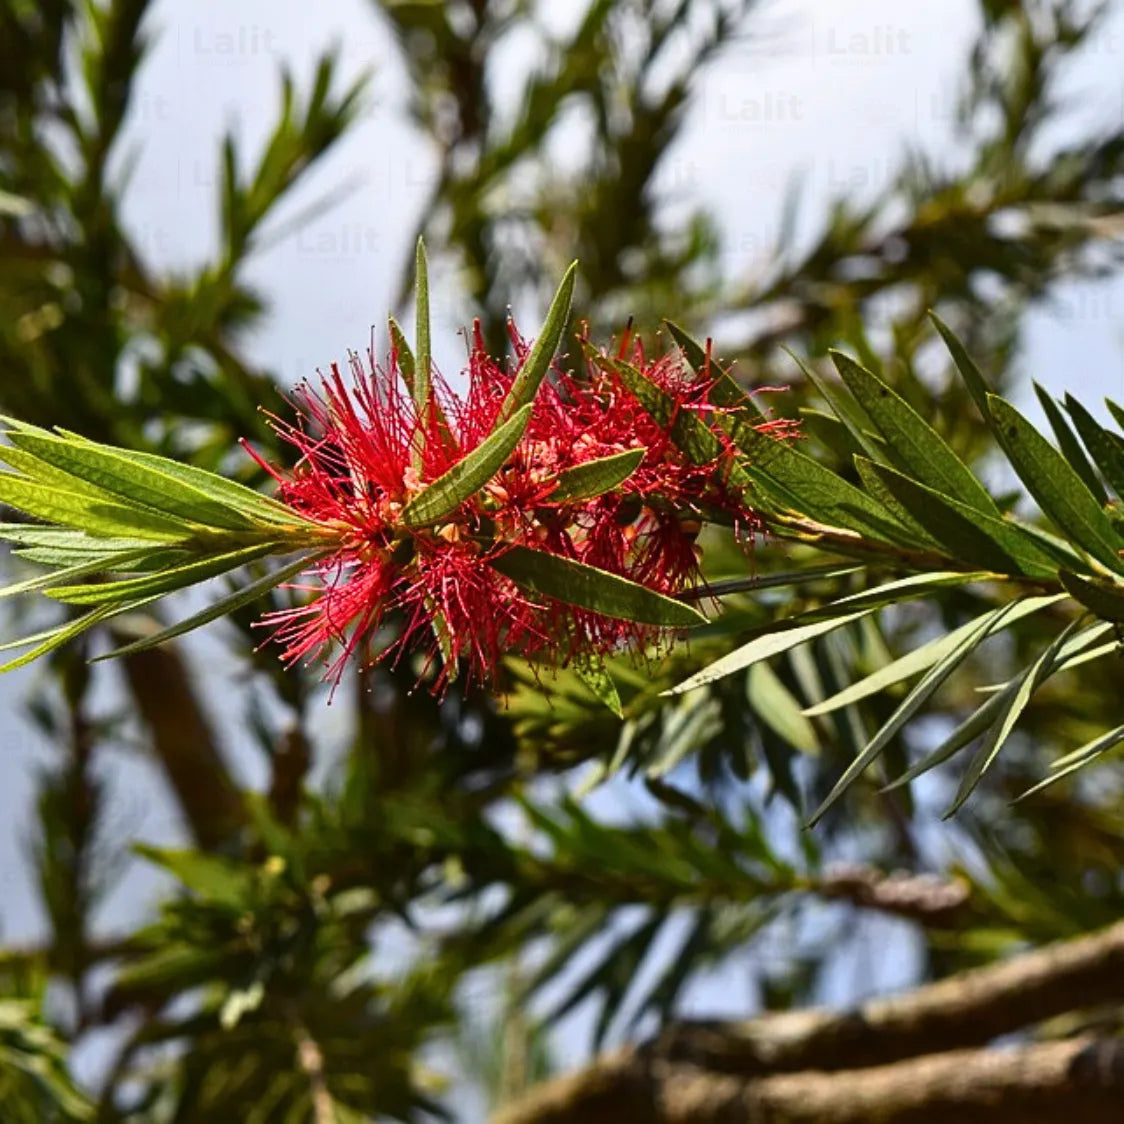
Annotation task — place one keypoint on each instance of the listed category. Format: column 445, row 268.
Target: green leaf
column 919, row 448
column 724, row 587
column 850, row 413
column 906, row 709
column 117, row 473
column 922, row 658
column 775, row 705
column 420, row 388
column 1106, row 449
column 968, row 730
column 879, row 490
column 467, row 476
column 98, row 564
column 48, row 642
column 1055, row 486
column 797, row 483
column 164, row 581
column 816, row 622
column 407, row 367
column 86, row 513
column 1012, row 702
column 211, row 877
column 692, row 350
column 763, row 648
column 590, row 588
column 591, row 670
column 1116, row 411
column 1069, row 445
column 1106, row 600
column 594, row 478
column 897, row 592
column 975, row 382
column 538, row 359
column 1075, row 760
column 403, row 354
column 221, row 608
column 966, row 533
column 254, row 505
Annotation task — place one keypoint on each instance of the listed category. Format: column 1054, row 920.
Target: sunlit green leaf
column 921, row 659
column 218, row 609
column 467, row 476
column 162, row 582
column 537, row 362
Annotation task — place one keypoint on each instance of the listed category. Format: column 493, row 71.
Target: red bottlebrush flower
column 365, row 453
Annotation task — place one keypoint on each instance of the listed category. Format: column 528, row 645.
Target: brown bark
column 737, row 1068
column 1045, row 1083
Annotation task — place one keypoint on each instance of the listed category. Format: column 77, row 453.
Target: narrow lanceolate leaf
column 807, row 488
column 163, row 581
column 924, row 657
column 62, row 538
column 973, row 379
column 776, row 706
column 1116, row 410
column 420, row 388
column 97, row 564
column 764, row 648
column 1102, row 598
column 407, row 366
column 590, row 588
column 467, row 476
column 969, row 534
column 594, row 478
column 1077, row 759
column 897, row 592
column 1013, row 700
column 538, row 359
column 724, row 587
column 850, row 413
column 255, row 505
column 57, row 637
column 86, row 513
column 1069, row 445
column 591, row 670
column 1055, row 486
column 693, row 351
column 816, row 622
column 1106, row 448
column 919, row 449
column 131, row 481
column 220, row 608
column 403, row 354
column 877, row 488
column 905, row 710
column 968, row 730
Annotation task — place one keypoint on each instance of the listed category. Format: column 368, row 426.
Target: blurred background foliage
column 419, row 924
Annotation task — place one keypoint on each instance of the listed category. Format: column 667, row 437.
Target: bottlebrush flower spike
column 570, row 546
